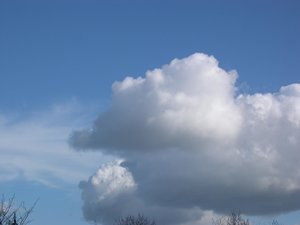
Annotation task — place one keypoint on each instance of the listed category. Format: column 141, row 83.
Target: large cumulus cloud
column 191, row 144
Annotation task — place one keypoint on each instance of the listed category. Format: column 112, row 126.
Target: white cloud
column 187, row 100
column 191, row 142
column 34, row 146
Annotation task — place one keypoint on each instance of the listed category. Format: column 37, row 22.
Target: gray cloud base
column 190, row 144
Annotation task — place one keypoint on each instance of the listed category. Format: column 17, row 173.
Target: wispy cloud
column 192, row 143
column 34, row 146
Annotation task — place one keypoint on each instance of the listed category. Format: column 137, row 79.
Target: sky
column 181, row 110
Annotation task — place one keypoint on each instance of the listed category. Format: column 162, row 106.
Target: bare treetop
column 135, row 220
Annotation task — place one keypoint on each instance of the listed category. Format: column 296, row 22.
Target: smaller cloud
column 113, row 192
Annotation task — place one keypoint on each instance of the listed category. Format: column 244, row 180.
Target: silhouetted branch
column 14, row 215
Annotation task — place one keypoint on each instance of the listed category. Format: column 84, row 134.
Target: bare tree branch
column 12, row 214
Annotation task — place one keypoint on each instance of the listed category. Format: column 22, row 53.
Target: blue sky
column 59, row 59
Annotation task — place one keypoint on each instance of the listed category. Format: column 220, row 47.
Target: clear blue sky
column 58, row 60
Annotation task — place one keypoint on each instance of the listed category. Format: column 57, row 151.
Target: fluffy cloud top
column 183, row 104
column 191, row 143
